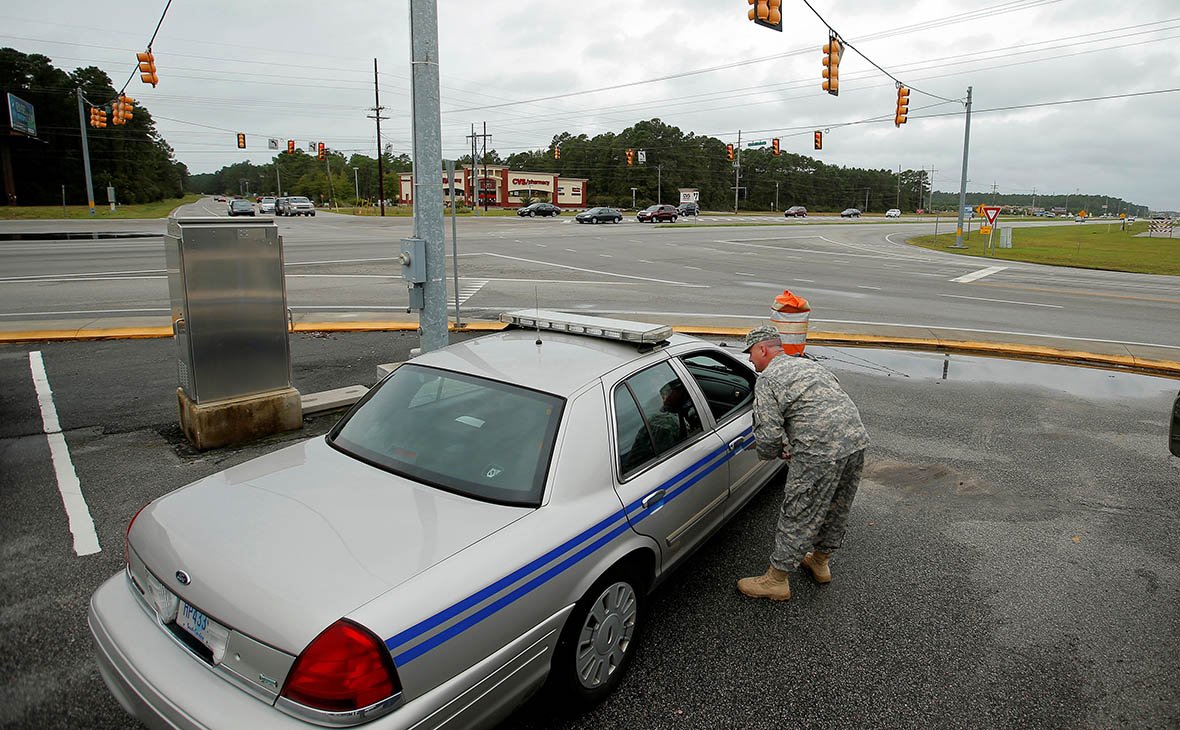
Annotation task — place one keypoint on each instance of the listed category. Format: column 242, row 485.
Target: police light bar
column 607, row 329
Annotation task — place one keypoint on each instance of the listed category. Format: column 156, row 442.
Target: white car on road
column 893, row 213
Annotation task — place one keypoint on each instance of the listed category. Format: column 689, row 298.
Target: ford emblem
column 182, row 578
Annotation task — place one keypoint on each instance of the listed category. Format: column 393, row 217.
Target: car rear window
column 473, row 436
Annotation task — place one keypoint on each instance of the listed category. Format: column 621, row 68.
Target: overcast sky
column 304, row 71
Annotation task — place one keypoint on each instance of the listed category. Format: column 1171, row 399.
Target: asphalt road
column 1012, row 556
column 858, row 276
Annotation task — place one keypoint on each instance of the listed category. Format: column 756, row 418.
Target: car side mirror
column 1174, row 431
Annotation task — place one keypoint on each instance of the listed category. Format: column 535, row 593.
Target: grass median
column 159, row 209
column 1086, row 246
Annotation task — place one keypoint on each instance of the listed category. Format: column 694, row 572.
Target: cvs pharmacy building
column 503, row 188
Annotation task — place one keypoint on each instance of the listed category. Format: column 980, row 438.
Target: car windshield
column 473, row 436
column 298, row 200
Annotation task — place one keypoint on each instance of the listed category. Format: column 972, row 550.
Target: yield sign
column 990, row 212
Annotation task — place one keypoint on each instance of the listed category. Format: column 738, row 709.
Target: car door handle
column 653, row 498
column 736, row 444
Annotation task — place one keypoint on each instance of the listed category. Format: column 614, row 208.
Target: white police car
column 491, row 514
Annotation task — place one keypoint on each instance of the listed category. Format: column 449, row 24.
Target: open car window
column 654, row 415
column 473, row 436
column 727, row 384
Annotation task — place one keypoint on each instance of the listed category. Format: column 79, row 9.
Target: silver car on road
column 490, row 515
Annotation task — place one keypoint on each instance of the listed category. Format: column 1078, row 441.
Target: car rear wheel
column 599, row 639
column 673, row 219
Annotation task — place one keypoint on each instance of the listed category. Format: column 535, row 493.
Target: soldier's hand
column 786, row 455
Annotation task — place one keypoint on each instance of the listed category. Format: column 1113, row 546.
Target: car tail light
column 345, row 668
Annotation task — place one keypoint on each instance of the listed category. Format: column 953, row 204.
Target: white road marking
column 543, row 245
column 467, row 291
column 874, row 288
column 806, row 281
column 965, row 278
column 595, row 271
column 606, row 256
column 91, row 311
column 742, row 273
column 78, row 514
column 694, row 268
column 1003, row 301
column 644, row 261
column 571, row 250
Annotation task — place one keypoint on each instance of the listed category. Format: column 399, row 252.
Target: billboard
column 20, row 116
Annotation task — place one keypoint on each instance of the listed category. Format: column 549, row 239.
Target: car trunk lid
column 280, row 547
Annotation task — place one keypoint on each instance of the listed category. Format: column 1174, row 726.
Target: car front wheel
column 595, row 220
column 599, row 639
column 532, row 213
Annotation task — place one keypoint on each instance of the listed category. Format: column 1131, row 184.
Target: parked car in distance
column 294, row 205
column 1079, row 219
column 655, row 213
column 689, row 208
column 599, row 215
column 491, row 515
column 266, row 204
column 795, row 211
column 893, row 213
column 1131, row 219
column 240, row 206
column 850, row 213
column 535, row 209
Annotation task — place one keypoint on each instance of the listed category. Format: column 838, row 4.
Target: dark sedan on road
column 536, row 209
column 795, row 211
column 241, row 206
column 850, row 213
column 654, row 213
column 599, row 215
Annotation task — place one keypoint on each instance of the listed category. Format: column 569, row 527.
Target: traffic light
column 291, row 145
column 630, row 157
column 729, row 151
column 121, row 110
column 241, row 141
column 557, row 153
column 903, row 105
column 819, row 140
column 831, row 62
column 98, row 117
column 767, row 13
column 774, row 148
column 320, row 151
column 147, row 68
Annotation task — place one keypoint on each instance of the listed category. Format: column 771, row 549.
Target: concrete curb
column 1127, row 363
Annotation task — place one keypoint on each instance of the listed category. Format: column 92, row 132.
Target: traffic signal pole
column 737, row 170
column 963, row 179
column 85, row 152
column 428, row 194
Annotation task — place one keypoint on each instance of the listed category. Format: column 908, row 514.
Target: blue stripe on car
column 706, row 465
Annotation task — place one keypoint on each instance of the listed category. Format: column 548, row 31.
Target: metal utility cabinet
column 229, row 317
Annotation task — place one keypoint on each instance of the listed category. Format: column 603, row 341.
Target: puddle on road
column 1075, row 380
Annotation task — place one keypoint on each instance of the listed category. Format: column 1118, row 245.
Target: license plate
column 204, row 629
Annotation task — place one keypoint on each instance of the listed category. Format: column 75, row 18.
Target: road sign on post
column 990, row 212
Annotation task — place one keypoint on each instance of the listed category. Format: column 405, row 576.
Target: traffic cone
column 789, row 314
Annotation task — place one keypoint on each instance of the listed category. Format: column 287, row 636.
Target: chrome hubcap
column 606, row 635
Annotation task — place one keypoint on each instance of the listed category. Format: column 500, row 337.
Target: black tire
column 673, row 219
column 532, row 213
column 599, row 640
column 595, row 220
column 312, row 214
column 619, row 219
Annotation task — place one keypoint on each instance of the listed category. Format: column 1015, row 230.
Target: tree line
column 334, row 179
column 132, row 158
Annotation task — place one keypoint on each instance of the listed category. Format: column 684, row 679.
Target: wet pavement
column 1011, row 560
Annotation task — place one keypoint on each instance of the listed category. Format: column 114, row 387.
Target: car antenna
column 536, row 321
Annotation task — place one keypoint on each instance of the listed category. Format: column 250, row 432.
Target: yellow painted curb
column 1128, row 362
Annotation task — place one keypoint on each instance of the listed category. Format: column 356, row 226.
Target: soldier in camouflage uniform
column 802, row 414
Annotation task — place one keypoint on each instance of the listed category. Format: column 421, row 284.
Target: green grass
column 1089, row 246
column 159, row 209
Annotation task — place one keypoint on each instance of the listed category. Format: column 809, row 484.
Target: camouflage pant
column 815, row 508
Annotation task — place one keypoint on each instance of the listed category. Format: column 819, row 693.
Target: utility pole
column 480, row 177
column 897, row 203
column 428, row 203
column 659, row 184
column 1034, row 198
column 737, row 171
column 377, row 109
column 633, row 198
column 931, row 205
column 356, row 180
column 85, row 152
column 776, row 196
column 963, row 179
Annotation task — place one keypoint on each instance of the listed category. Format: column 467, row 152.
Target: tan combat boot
column 772, row 584
column 817, row 563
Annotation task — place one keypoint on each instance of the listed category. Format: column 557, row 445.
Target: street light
column 356, row 180
column 633, row 198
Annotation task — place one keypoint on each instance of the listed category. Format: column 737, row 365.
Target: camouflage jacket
column 798, row 402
